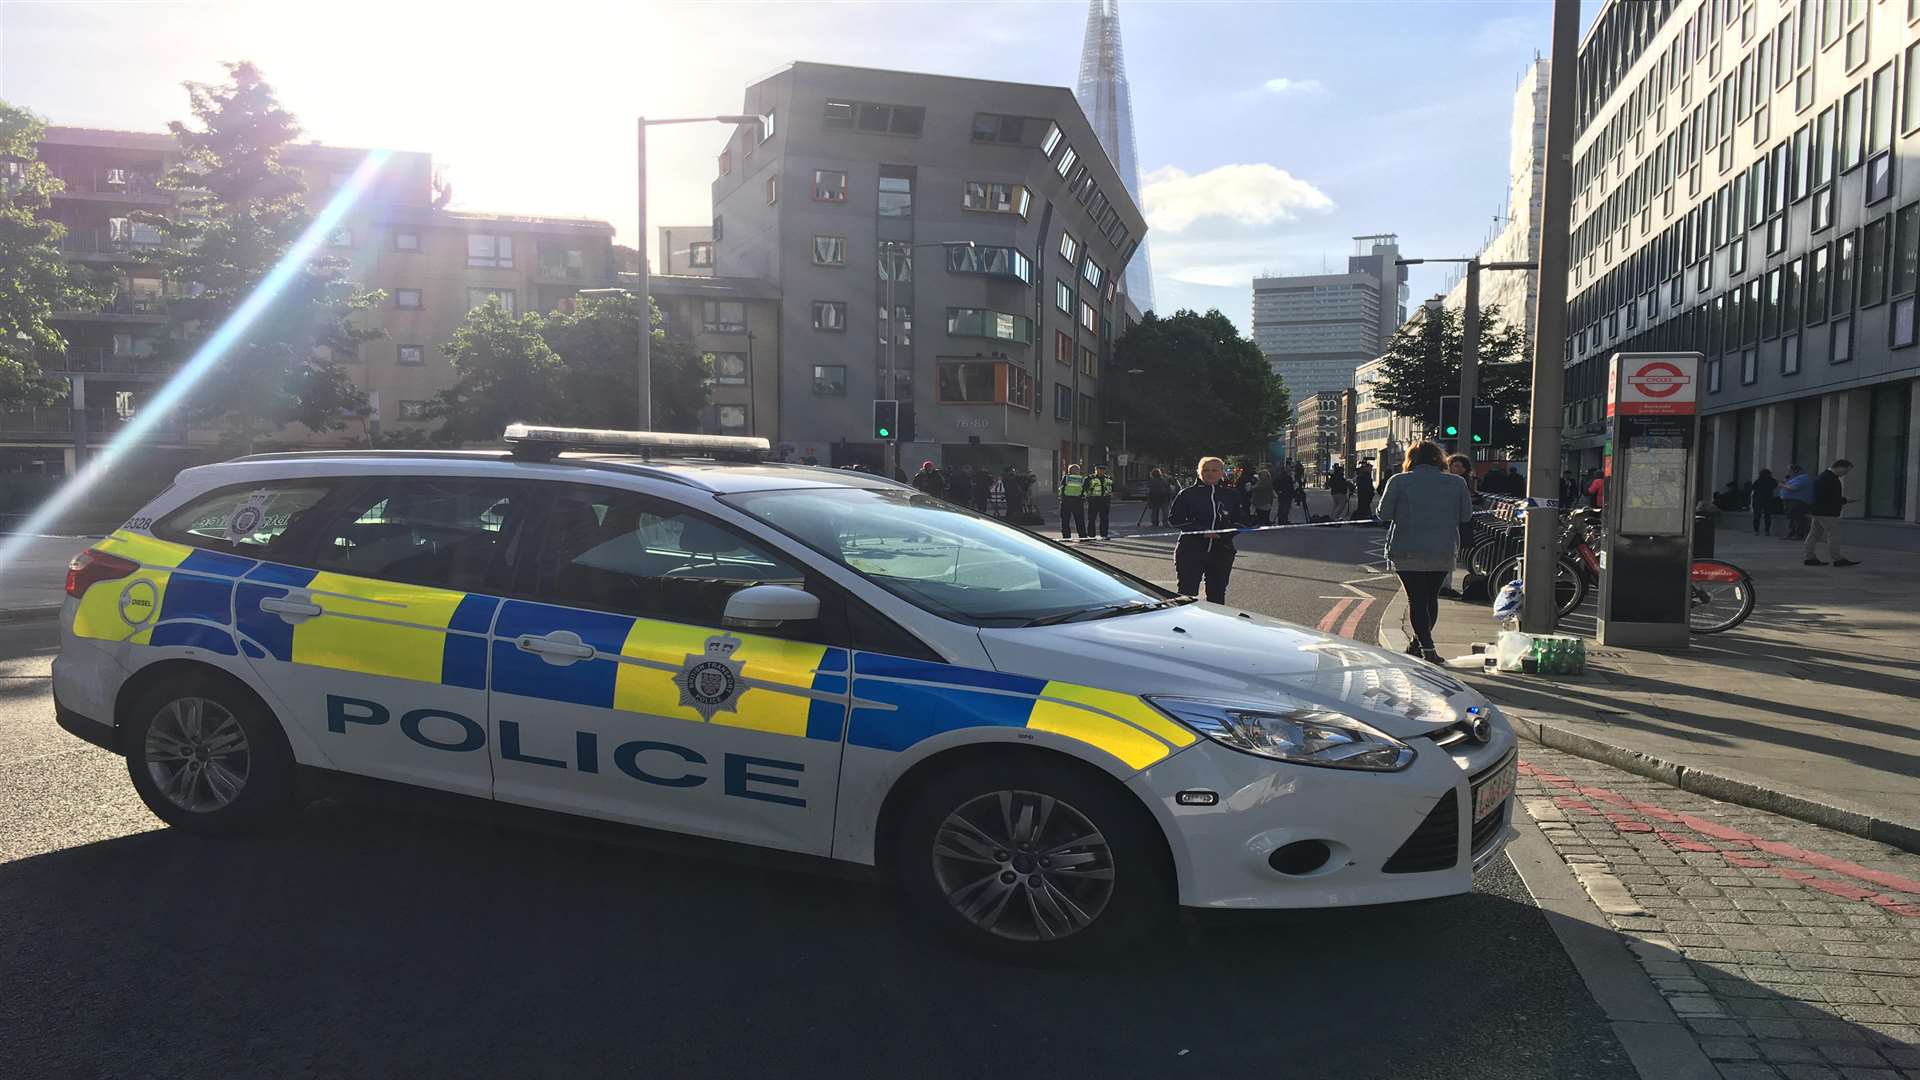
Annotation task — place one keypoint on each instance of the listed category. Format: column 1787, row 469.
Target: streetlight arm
column 704, row 120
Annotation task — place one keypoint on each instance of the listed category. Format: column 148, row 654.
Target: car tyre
column 1034, row 860
column 207, row 756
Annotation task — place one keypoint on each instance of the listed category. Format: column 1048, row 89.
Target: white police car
column 1047, row 752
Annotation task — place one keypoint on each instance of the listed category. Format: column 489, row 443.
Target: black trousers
column 1197, row 557
column 1073, row 515
column 1423, row 602
column 1157, row 509
column 1099, row 509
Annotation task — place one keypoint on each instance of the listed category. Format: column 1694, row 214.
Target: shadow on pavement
column 361, row 942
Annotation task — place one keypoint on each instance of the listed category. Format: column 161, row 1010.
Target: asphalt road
column 373, row 941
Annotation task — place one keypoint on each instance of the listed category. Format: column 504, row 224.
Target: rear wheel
column 1569, row 583
column 1034, row 859
column 205, row 755
column 1721, row 596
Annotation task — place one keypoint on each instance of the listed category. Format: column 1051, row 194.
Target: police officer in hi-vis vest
column 1073, row 503
column 1099, row 503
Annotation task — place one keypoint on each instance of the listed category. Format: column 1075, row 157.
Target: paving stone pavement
column 1790, row 950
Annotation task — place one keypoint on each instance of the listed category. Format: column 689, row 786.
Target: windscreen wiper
column 1107, row 611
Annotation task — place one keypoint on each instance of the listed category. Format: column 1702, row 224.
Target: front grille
column 1487, row 828
column 1435, row 845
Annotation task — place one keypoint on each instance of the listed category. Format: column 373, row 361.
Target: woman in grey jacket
column 1425, row 505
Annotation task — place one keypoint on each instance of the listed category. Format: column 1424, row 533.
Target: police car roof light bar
column 541, row 442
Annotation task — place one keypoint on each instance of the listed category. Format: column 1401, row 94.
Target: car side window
column 631, row 553
column 446, row 532
column 256, row 520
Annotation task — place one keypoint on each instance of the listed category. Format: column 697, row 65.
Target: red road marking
column 1325, row 625
column 1352, row 625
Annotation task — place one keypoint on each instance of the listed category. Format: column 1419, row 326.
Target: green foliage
column 1203, row 389
column 1422, row 365
column 240, row 210
column 577, row 370
column 35, row 281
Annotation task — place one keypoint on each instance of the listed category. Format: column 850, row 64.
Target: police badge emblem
column 710, row 683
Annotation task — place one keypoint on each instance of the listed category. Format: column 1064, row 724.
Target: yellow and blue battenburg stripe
column 876, row 701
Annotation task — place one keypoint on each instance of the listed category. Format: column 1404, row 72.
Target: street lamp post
column 645, row 288
column 1470, row 339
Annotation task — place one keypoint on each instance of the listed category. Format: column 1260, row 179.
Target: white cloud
column 1246, row 194
column 1293, row 86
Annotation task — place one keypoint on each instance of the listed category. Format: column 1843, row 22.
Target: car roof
column 714, row 475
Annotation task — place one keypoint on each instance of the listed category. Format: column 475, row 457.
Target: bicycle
column 1721, row 595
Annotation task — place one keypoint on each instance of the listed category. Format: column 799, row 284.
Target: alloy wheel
column 1023, row 865
column 197, row 754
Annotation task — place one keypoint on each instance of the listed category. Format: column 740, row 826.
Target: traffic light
column 1450, row 417
column 1482, row 424
column 904, row 431
column 886, row 420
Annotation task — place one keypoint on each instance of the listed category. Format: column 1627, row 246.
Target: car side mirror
column 762, row 607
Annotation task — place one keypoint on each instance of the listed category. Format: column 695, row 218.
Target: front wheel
column 1033, row 858
column 1569, row 583
column 1720, row 596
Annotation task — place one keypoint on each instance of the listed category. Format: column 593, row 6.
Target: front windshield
column 953, row 563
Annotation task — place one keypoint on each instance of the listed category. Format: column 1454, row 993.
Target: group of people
column 1006, row 494
column 1811, row 506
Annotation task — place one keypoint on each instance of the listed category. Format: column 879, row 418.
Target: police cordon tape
column 1512, row 508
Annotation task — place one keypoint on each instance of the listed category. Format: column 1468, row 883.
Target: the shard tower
column 1104, row 97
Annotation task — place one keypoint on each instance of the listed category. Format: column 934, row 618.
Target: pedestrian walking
column 1099, row 504
column 1073, row 503
column 929, row 481
column 1159, row 494
column 1341, row 490
column 1796, row 496
column 1263, row 497
column 1363, row 492
column 1829, row 498
column 1424, row 506
column 1208, row 512
column 1765, row 501
column 1283, row 492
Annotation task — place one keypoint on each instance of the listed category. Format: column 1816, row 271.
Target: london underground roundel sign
column 1659, row 386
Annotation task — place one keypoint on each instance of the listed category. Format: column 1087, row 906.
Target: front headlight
column 1305, row 736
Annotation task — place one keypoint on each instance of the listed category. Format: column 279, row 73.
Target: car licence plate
column 1494, row 789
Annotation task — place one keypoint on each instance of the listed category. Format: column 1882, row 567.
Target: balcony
column 108, row 241
column 99, row 360
column 112, row 185
column 56, row 422
column 548, row 271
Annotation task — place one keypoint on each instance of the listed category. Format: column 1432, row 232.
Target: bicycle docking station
column 1652, row 437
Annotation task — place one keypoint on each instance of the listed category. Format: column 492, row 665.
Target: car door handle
column 291, row 608
column 556, row 649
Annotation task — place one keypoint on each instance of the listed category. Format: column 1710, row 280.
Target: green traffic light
column 1477, row 437
column 1451, row 430
column 885, row 434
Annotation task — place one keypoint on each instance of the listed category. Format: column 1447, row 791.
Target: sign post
column 1653, row 432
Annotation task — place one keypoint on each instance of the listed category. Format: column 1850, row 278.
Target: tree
column 577, row 369
column 35, row 281
column 1202, row 388
column 1422, row 365
column 240, row 210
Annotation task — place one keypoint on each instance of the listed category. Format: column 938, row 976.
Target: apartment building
column 737, row 321
column 1324, row 431
column 1746, row 186
column 685, row 250
column 1316, row 329
column 951, row 242
column 1379, row 436
column 432, row 263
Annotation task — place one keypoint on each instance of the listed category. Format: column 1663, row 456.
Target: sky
column 1268, row 134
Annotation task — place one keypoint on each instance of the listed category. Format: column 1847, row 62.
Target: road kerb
column 28, row 614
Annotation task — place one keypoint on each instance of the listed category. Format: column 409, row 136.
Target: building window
column 1845, row 251
column 1873, row 263
column 1063, row 296
column 896, row 191
column 994, row 128
column 896, row 258
column 1000, row 262
column 874, row 117
column 1906, row 249
column 1790, row 298
column 829, row 315
column 1853, row 118
column 732, row 419
column 489, row 251
column 1900, row 328
column 1790, row 354
column 971, row 382
column 719, row 228
column 408, row 299
column 478, row 298
column 829, row 251
column 1089, row 318
column 1062, row 347
column 1069, row 247
column 828, row 186
column 767, row 126
column 700, row 254
column 412, row 356
column 1089, row 362
column 726, row 161
column 1052, row 140
column 1842, row 348
column 406, row 241
column 723, row 316
column 1713, row 375
column 1093, row 272
column 839, row 114
column 1749, row 367
column 830, row 380
column 1817, row 285
column 1062, row 401
column 902, row 318
column 1086, row 410
column 994, row 325
column 773, row 189
column 730, row 368
column 340, row 238
column 1880, row 136
column 995, row 198
column 1065, row 164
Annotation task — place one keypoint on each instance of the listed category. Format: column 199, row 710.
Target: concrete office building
column 847, row 192
column 1323, row 432
column 433, row 264
column 1747, row 185
column 1107, row 99
column 1517, row 292
column 1316, row 329
column 685, row 250
column 1378, row 435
